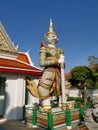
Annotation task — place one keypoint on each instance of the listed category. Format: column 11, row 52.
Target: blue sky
column 74, row 21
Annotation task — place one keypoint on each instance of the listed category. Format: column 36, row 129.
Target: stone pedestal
column 56, row 119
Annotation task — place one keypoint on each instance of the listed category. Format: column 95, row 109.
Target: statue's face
column 52, row 39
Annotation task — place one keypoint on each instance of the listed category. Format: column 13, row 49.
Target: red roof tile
column 23, row 57
column 91, row 67
column 67, row 74
column 14, row 65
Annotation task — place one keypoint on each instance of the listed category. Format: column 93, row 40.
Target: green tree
column 96, row 68
column 93, row 60
column 95, row 77
column 81, row 76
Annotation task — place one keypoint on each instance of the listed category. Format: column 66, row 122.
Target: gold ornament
column 50, row 30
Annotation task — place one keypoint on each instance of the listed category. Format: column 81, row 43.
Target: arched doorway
column 2, row 95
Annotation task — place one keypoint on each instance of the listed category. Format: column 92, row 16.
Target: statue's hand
column 61, row 60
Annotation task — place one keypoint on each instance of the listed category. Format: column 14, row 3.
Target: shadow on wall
column 1, row 105
column 12, row 112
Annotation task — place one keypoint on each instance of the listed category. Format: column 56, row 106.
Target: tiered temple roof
column 13, row 61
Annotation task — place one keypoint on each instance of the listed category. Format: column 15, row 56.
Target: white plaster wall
column 19, row 97
column 74, row 93
column 15, row 95
column 11, row 83
column 15, row 92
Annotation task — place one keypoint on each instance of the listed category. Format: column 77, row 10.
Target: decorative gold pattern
column 3, row 43
column 50, row 30
column 6, row 45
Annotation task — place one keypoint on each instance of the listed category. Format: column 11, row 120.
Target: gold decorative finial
column 50, row 30
column 16, row 48
column 51, row 22
column 51, row 26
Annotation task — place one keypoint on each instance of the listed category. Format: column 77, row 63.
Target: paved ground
column 18, row 125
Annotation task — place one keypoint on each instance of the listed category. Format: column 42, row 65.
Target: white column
column 63, row 86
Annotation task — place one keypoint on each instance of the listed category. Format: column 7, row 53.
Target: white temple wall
column 19, row 96
column 74, row 92
column 10, row 95
column 15, row 95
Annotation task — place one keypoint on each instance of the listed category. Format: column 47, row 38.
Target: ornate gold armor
column 50, row 79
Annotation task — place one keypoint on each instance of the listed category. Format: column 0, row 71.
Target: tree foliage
column 81, row 76
column 95, row 78
column 93, row 60
column 96, row 68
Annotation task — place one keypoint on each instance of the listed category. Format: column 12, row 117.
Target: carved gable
column 7, row 48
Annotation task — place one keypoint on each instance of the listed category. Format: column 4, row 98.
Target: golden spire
column 51, row 26
column 50, row 30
